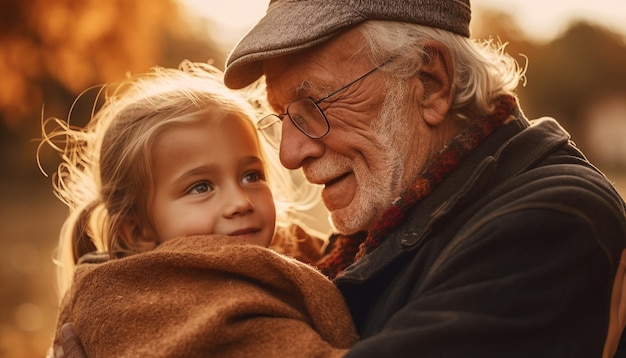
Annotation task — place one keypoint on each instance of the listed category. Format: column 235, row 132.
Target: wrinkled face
column 366, row 158
column 209, row 179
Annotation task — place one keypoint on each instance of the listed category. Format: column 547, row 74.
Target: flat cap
column 291, row 26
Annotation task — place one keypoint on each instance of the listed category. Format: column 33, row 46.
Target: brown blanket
column 206, row 297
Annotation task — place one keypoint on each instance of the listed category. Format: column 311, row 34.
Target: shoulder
column 567, row 187
column 556, row 201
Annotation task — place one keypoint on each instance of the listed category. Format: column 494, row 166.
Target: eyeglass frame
column 316, row 104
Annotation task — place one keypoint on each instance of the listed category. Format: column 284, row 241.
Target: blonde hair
column 482, row 70
column 104, row 175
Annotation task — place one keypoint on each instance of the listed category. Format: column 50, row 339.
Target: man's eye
column 299, row 121
column 199, row 188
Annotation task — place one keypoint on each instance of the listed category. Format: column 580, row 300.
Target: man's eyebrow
column 308, row 88
column 304, row 89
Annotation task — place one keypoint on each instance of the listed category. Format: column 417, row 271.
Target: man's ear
column 436, row 77
column 136, row 236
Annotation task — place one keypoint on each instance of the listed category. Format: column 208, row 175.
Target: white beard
column 382, row 182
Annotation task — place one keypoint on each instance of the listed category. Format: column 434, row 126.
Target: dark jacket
column 513, row 255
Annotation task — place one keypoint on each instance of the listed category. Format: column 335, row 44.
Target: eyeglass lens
column 271, row 128
column 307, row 116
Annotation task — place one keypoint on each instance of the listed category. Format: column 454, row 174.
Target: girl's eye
column 253, row 177
column 200, row 188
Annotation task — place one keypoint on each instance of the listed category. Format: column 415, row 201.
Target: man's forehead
column 334, row 55
column 290, row 80
column 280, row 95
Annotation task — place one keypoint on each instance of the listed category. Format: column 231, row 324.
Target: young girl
column 171, row 158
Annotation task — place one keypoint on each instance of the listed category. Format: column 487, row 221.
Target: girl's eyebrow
column 209, row 168
column 196, row 171
column 252, row 159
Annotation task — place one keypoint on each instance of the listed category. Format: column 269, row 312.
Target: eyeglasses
column 305, row 114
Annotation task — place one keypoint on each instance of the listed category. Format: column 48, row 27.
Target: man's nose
column 296, row 147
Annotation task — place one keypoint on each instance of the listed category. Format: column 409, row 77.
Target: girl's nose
column 238, row 203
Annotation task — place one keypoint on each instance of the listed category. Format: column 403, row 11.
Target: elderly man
column 466, row 229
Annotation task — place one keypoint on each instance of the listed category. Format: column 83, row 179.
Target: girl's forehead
column 208, row 126
column 205, row 143
column 238, row 122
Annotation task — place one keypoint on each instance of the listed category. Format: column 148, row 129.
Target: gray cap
column 291, row 26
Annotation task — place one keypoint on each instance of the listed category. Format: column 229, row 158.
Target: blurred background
column 53, row 50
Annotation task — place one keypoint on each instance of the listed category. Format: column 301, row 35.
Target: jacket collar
column 495, row 160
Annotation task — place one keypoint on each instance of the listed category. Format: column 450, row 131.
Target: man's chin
column 348, row 222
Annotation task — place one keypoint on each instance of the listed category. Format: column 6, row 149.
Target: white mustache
column 326, row 168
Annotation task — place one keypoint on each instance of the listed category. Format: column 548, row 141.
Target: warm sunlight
column 56, row 55
column 539, row 19
column 234, row 16
column 543, row 20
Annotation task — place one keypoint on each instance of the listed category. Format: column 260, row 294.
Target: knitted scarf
column 346, row 250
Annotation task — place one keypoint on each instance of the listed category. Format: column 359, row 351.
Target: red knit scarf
column 348, row 249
